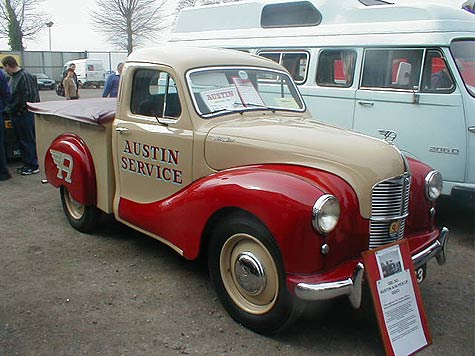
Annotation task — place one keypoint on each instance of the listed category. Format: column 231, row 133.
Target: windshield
column 463, row 52
column 218, row 91
column 41, row 76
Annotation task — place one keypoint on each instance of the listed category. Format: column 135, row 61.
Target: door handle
column 471, row 129
column 121, row 130
column 366, row 103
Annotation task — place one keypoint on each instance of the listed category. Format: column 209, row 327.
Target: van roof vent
column 375, row 2
column 290, row 14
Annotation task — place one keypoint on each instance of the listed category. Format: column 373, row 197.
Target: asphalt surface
column 118, row 292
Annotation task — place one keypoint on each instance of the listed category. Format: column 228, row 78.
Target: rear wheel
column 82, row 217
column 247, row 272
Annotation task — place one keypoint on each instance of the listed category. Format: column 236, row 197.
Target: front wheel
column 82, row 217
column 247, row 272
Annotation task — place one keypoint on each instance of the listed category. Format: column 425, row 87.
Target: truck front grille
column 389, row 209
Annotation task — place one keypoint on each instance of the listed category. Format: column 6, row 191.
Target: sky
column 73, row 30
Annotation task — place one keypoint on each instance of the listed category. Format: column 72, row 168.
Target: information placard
column 397, row 299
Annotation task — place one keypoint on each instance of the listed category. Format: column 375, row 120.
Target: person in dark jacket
column 5, row 98
column 24, row 88
column 111, row 88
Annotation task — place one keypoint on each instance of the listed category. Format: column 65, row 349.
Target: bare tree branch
column 20, row 20
column 128, row 23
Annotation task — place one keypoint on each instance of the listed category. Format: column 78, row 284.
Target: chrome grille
column 389, row 209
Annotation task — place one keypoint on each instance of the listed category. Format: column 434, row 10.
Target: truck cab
column 214, row 153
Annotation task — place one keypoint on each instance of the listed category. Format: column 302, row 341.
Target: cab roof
column 182, row 58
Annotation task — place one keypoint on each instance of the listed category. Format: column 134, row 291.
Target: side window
column 392, row 68
column 154, row 94
column 436, row 77
column 295, row 62
column 336, row 68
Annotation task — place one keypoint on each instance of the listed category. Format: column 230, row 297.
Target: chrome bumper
column 438, row 250
column 352, row 287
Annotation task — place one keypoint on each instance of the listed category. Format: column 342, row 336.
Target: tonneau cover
column 95, row 111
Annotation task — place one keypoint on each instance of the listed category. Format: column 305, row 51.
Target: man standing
column 111, row 88
column 24, row 88
column 5, row 97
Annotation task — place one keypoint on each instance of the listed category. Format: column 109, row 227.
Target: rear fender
column 68, row 162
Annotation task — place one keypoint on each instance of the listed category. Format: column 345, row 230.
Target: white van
column 403, row 71
column 90, row 71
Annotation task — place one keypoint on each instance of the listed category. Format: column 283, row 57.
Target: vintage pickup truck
column 213, row 153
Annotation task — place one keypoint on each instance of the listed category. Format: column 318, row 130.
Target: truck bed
column 91, row 120
column 91, row 111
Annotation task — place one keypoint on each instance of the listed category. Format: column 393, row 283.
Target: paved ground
column 118, row 292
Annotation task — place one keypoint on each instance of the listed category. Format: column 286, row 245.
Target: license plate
column 421, row 273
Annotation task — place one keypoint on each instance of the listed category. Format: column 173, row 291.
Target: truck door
column 153, row 148
column 413, row 93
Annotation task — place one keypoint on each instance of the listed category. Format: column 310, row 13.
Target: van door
column 412, row 92
column 463, row 52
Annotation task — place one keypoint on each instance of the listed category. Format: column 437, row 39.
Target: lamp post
column 49, row 25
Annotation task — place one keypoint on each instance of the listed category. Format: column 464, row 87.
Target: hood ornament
column 389, row 135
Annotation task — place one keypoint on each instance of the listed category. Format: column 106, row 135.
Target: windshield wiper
column 259, row 106
column 217, row 111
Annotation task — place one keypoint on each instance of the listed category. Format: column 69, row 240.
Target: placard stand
column 397, row 299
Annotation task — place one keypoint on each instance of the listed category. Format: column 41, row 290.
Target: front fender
column 420, row 219
column 68, row 162
column 281, row 200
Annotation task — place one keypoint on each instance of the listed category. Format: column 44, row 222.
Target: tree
column 181, row 4
column 128, row 23
column 20, row 20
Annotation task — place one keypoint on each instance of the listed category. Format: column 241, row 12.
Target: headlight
column 326, row 212
column 433, row 185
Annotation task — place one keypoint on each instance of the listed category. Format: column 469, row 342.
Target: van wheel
column 83, row 218
column 247, row 272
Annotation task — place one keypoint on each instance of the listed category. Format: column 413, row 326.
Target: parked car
column 44, row 82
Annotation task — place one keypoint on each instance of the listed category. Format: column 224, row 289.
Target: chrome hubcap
column 249, row 273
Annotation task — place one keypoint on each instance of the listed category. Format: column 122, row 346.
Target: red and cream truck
column 213, row 153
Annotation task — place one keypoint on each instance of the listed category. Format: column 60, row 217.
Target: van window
column 336, row 68
column 392, row 68
column 436, row 76
column 463, row 51
column 154, row 94
column 94, row 67
column 294, row 62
